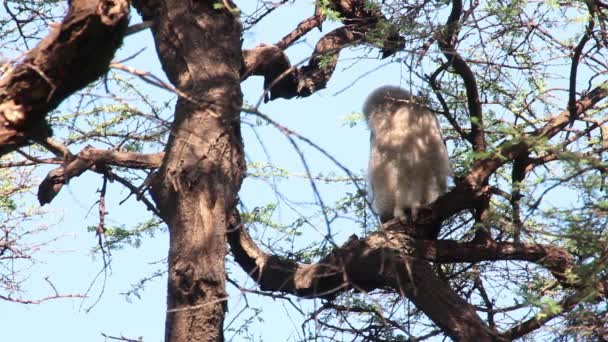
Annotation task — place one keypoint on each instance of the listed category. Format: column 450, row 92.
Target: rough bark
column 74, row 54
column 197, row 183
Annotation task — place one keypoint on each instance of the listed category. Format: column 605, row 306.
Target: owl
column 408, row 164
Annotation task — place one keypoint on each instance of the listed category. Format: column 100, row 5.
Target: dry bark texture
column 74, row 54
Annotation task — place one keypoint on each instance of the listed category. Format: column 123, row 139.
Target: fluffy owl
column 408, row 164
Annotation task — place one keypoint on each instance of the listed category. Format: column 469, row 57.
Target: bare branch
column 39, row 301
column 121, row 338
column 96, row 160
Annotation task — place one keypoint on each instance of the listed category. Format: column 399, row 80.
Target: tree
column 518, row 87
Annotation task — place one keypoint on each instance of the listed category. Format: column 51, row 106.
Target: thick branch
column 302, row 29
column 74, row 54
column 93, row 159
column 282, row 80
column 378, row 261
column 131, row 160
column 391, row 258
column 557, row 260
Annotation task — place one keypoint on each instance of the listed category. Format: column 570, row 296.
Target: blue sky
column 72, row 268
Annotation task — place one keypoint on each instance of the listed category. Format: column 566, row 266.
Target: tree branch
column 555, row 259
column 93, row 159
column 73, row 54
column 391, row 258
column 558, row 122
column 282, row 80
column 378, row 261
column 540, row 319
column 305, row 26
column 446, row 44
column 444, row 105
column 576, row 59
column 483, row 168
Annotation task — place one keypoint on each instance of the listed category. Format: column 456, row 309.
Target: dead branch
column 38, row 301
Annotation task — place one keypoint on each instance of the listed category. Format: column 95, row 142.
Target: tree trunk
column 198, row 181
